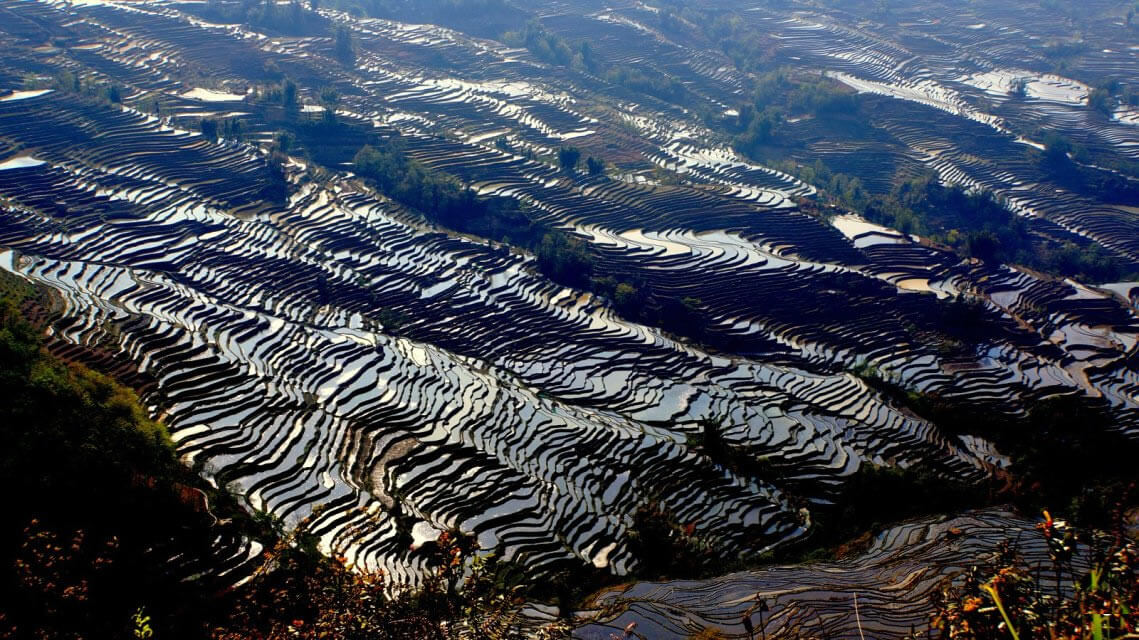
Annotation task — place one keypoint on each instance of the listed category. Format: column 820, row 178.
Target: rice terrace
column 684, row 319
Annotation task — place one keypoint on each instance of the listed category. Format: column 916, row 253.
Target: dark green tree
column 569, row 157
column 345, row 50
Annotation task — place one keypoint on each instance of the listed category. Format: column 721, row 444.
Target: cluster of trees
column 1101, row 100
column 444, row 200
column 778, row 95
column 668, row 548
column 649, row 82
column 553, row 49
column 565, row 260
column 977, row 226
column 751, row 50
column 293, row 18
column 580, row 56
column 802, row 95
column 971, row 223
column 485, row 18
column 343, row 48
column 1110, row 92
column 285, row 94
column 224, row 128
column 71, row 82
column 296, row 18
column 439, row 196
column 1105, row 176
column 569, row 159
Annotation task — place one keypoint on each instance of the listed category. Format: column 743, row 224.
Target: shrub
column 1008, row 599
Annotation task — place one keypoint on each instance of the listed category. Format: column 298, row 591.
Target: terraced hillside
column 326, row 351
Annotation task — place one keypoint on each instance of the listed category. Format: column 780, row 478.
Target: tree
column 1100, row 100
column 1056, row 150
column 276, row 185
column 330, row 98
column 569, row 157
column 596, row 167
column 232, row 129
column 209, row 128
column 1019, row 87
column 564, row 259
column 345, row 51
column 624, row 295
column 289, row 95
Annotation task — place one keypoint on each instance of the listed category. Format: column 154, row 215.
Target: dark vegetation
column 648, row 82
column 579, row 56
column 669, row 549
column 292, row 19
column 1070, row 165
column 444, row 200
column 1065, row 453
column 96, row 500
column 971, row 223
column 869, row 501
column 107, row 93
column 779, row 95
column 344, row 49
column 553, row 49
column 223, row 129
column 310, row 597
column 750, row 50
column 569, row 158
column 1090, row 591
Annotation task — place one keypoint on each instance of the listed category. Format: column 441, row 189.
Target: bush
column 1009, row 599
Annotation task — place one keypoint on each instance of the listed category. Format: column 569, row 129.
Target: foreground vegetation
column 1090, row 592
column 95, row 497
